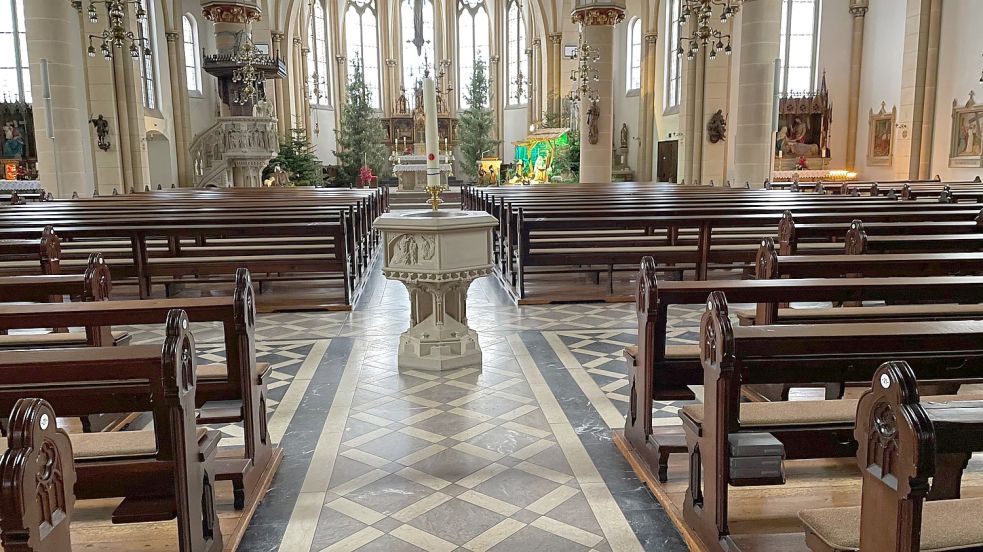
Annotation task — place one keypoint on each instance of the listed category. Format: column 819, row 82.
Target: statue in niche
column 717, row 127
column 624, row 135
column 401, row 104
column 593, row 120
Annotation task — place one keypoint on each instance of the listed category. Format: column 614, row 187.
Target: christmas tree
column 296, row 157
column 361, row 138
column 476, row 124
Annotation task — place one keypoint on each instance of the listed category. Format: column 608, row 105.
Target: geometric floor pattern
column 469, row 460
column 459, row 460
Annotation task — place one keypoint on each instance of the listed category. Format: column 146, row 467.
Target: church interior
column 491, row 275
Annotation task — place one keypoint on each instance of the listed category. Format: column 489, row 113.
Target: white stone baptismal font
column 437, row 254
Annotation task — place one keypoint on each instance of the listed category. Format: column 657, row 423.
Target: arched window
column 192, row 61
column 15, row 78
column 516, row 55
column 417, row 24
column 317, row 58
column 672, row 58
column 148, row 68
column 474, row 39
column 634, row 68
column 799, row 46
column 362, row 41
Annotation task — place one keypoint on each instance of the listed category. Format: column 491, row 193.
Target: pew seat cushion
column 113, row 444
column 874, row 311
column 787, row 413
column 806, row 413
column 672, row 351
column 68, row 339
column 219, row 371
column 946, row 525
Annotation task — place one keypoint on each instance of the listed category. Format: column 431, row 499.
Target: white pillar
column 858, row 9
column 598, row 20
column 53, row 34
column 754, row 137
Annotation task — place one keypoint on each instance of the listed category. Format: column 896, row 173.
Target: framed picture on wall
column 880, row 136
column 570, row 51
column 966, row 149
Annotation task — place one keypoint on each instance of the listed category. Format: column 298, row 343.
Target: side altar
column 406, row 132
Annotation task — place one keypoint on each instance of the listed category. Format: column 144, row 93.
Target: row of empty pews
column 584, row 242
column 838, row 382
column 166, row 240
column 131, row 435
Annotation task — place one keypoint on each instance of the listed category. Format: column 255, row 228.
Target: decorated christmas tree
column 476, row 123
column 361, row 138
column 296, row 157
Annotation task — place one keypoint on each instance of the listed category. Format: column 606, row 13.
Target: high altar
column 406, row 134
column 534, row 155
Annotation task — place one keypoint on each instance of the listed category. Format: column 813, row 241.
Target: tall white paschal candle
column 433, row 140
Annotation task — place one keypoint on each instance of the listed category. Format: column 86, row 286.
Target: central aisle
column 516, row 457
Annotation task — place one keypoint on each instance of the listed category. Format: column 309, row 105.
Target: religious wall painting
column 880, row 135
column 966, row 149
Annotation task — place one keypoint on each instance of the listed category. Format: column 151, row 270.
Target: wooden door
column 668, row 161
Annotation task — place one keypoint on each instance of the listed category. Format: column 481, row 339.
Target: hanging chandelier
column 704, row 35
column 250, row 78
column 586, row 73
column 116, row 34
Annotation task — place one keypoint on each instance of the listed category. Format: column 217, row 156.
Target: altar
column 405, row 132
column 411, row 170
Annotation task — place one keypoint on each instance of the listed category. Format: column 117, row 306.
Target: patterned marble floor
column 514, row 457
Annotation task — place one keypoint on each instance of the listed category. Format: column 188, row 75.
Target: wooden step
column 145, row 509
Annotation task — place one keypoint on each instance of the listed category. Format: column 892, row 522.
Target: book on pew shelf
column 757, row 468
column 754, row 445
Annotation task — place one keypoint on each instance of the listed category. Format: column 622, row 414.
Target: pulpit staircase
column 233, row 152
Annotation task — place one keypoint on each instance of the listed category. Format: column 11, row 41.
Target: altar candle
column 432, row 138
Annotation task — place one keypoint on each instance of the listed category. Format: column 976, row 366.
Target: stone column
column 754, row 135
column 554, row 61
column 536, row 82
column 53, row 34
column 931, row 90
column 280, row 98
column 179, row 95
column 305, row 93
column 297, row 79
column 598, row 21
column 858, row 9
column 646, row 116
column 497, row 90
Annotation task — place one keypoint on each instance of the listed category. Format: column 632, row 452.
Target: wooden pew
column 904, row 440
column 46, row 251
column 770, row 265
column 320, row 234
column 676, row 225
column 241, row 378
column 94, row 285
column 37, row 481
column 657, row 371
column 162, row 474
column 733, row 357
